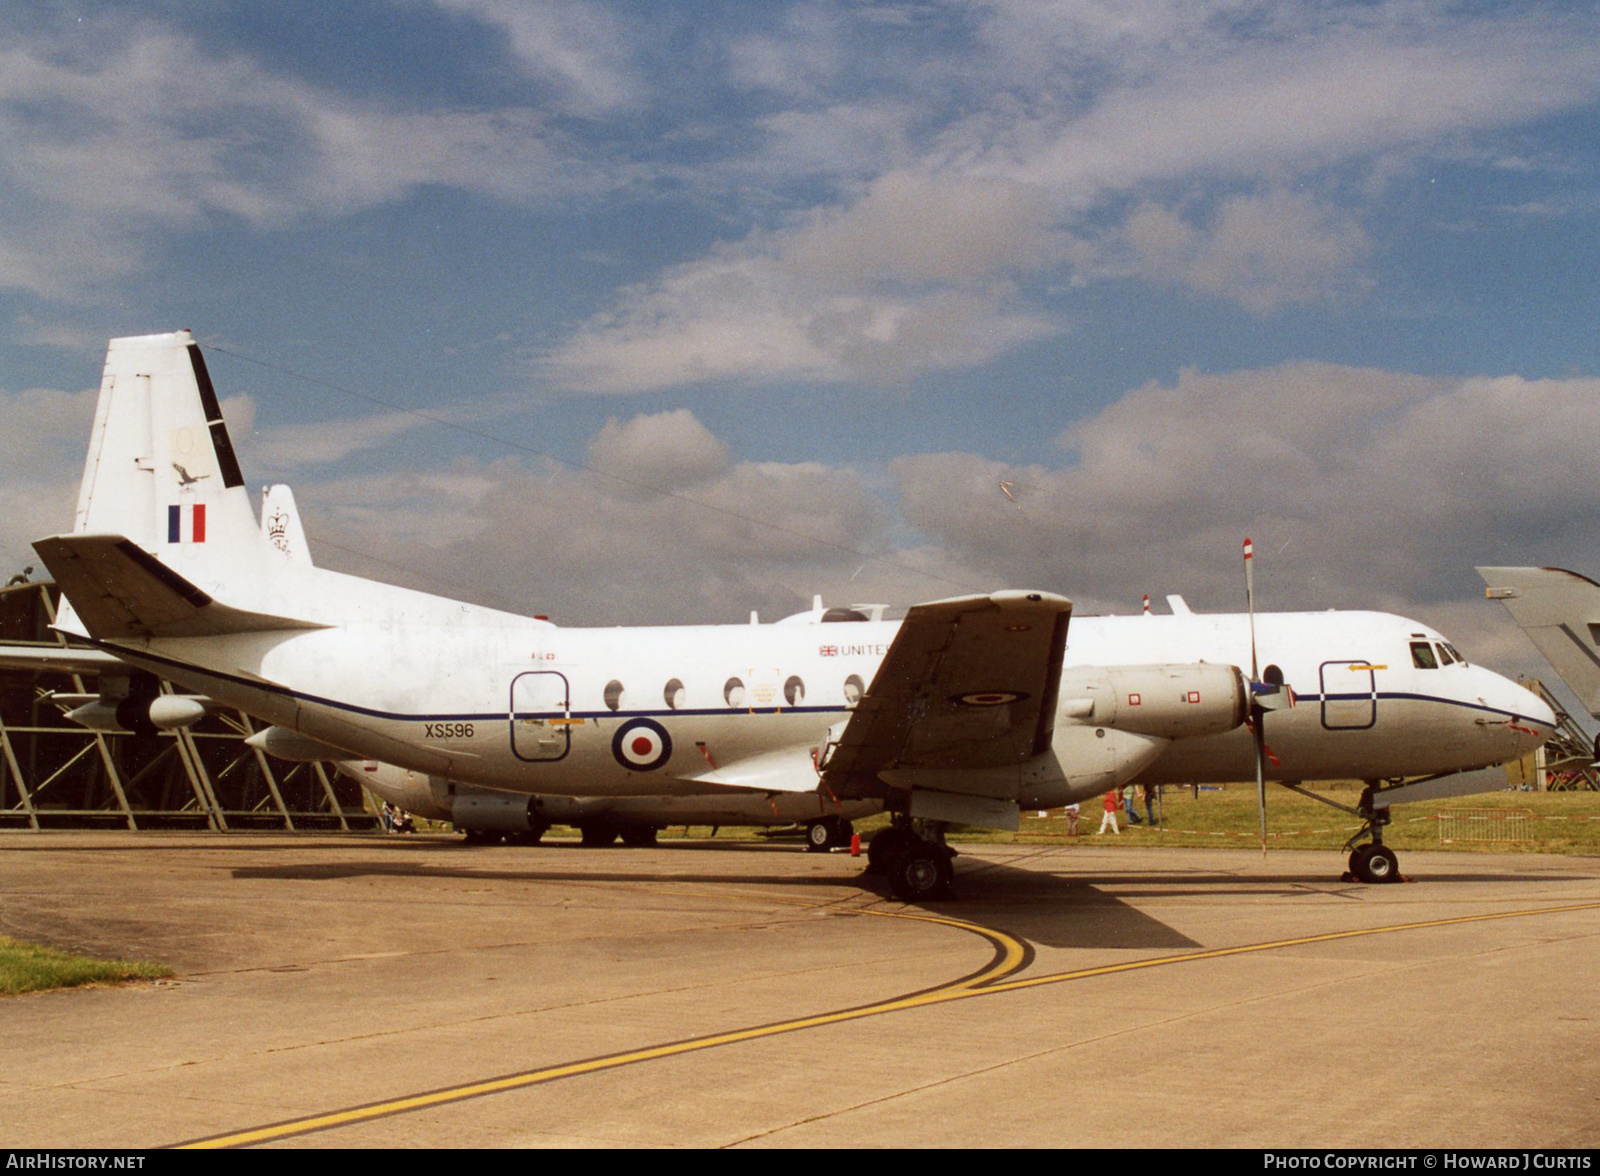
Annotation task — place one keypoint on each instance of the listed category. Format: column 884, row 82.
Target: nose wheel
column 1372, row 862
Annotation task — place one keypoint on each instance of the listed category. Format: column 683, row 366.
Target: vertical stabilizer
column 280, row 525
column 161, row 468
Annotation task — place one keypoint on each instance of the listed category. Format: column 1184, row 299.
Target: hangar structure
column 57, row 774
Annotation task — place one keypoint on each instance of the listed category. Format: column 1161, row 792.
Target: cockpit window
column 1456, row 652
column 1422, row 656
column 1444, row 654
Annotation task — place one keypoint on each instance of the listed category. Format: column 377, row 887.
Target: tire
column 1379, row 865
column 530, row 837
column 639, row 836
column 1358, row 861
column 882, row 847
column 597, row 833
column 819, row 836
column 919, row 872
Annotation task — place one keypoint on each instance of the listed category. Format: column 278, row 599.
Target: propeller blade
column 1250, row 603
column 1258, row 713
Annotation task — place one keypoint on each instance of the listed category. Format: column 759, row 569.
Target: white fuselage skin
column 489, row 698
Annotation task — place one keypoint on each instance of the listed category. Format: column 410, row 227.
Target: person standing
column 1111, row 803
column 1072, row 819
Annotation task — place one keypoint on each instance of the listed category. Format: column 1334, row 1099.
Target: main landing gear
column 828, row 833
column 917, row 862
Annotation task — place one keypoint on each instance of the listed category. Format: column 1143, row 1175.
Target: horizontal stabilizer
column 120, row 590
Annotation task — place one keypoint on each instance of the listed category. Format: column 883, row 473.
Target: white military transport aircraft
column 964, row 711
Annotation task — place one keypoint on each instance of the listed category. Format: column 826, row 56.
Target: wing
column 1560, row 613
column 967, row 684
column 61, row 658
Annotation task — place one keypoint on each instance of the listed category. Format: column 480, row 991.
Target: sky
column 660, row 313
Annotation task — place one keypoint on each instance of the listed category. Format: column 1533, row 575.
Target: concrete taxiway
column 356, row 991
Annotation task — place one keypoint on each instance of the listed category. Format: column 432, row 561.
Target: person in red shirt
column 1112, row 803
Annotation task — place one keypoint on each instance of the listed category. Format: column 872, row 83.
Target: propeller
column 1257, row 711
column 1264, row 696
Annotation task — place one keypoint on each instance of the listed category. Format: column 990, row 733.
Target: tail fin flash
column 161, row 468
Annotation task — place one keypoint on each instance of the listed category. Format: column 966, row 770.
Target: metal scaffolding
column 56, row 774
column 1567, row 760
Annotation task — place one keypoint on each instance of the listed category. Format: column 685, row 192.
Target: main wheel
column 639, row 836
column 529, row 837
column 919, row 871
column 596, row 833
column 883, row 847
column 819, row 836
column 1379, row 865
column 1358, row 861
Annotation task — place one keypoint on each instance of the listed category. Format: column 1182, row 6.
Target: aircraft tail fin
column 1560, row 612
column 280, row 525
column 162, row 471
column 119, row 590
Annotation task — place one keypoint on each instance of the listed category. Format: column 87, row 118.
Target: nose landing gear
column 1372, row 861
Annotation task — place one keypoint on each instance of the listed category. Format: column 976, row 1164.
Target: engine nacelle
column 1167, row 701
column 496, row 812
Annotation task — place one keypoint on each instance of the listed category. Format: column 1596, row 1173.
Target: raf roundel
column 641, row 745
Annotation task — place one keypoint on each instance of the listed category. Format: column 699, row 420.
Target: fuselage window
column 854, row 688
column 733, row 692
column 1422, row 656
column 673, row 694
column 613, row 695
column 794, row 691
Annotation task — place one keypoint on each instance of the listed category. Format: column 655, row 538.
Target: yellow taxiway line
column 1011, row 954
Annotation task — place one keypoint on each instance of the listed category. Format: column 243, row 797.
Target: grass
column 32, row 967
column 1558, row 822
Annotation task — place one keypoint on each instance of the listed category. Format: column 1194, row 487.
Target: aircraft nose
column 1532, row 720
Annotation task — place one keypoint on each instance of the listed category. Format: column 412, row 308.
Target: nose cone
column 1531, row 721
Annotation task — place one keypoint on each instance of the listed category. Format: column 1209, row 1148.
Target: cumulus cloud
column 713, row 539
column 44, row 433
column 1220, row 125
column 664, row 449
column 146, row 130
column 906, row 280
column 1361, row 488
column 1261, row 251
